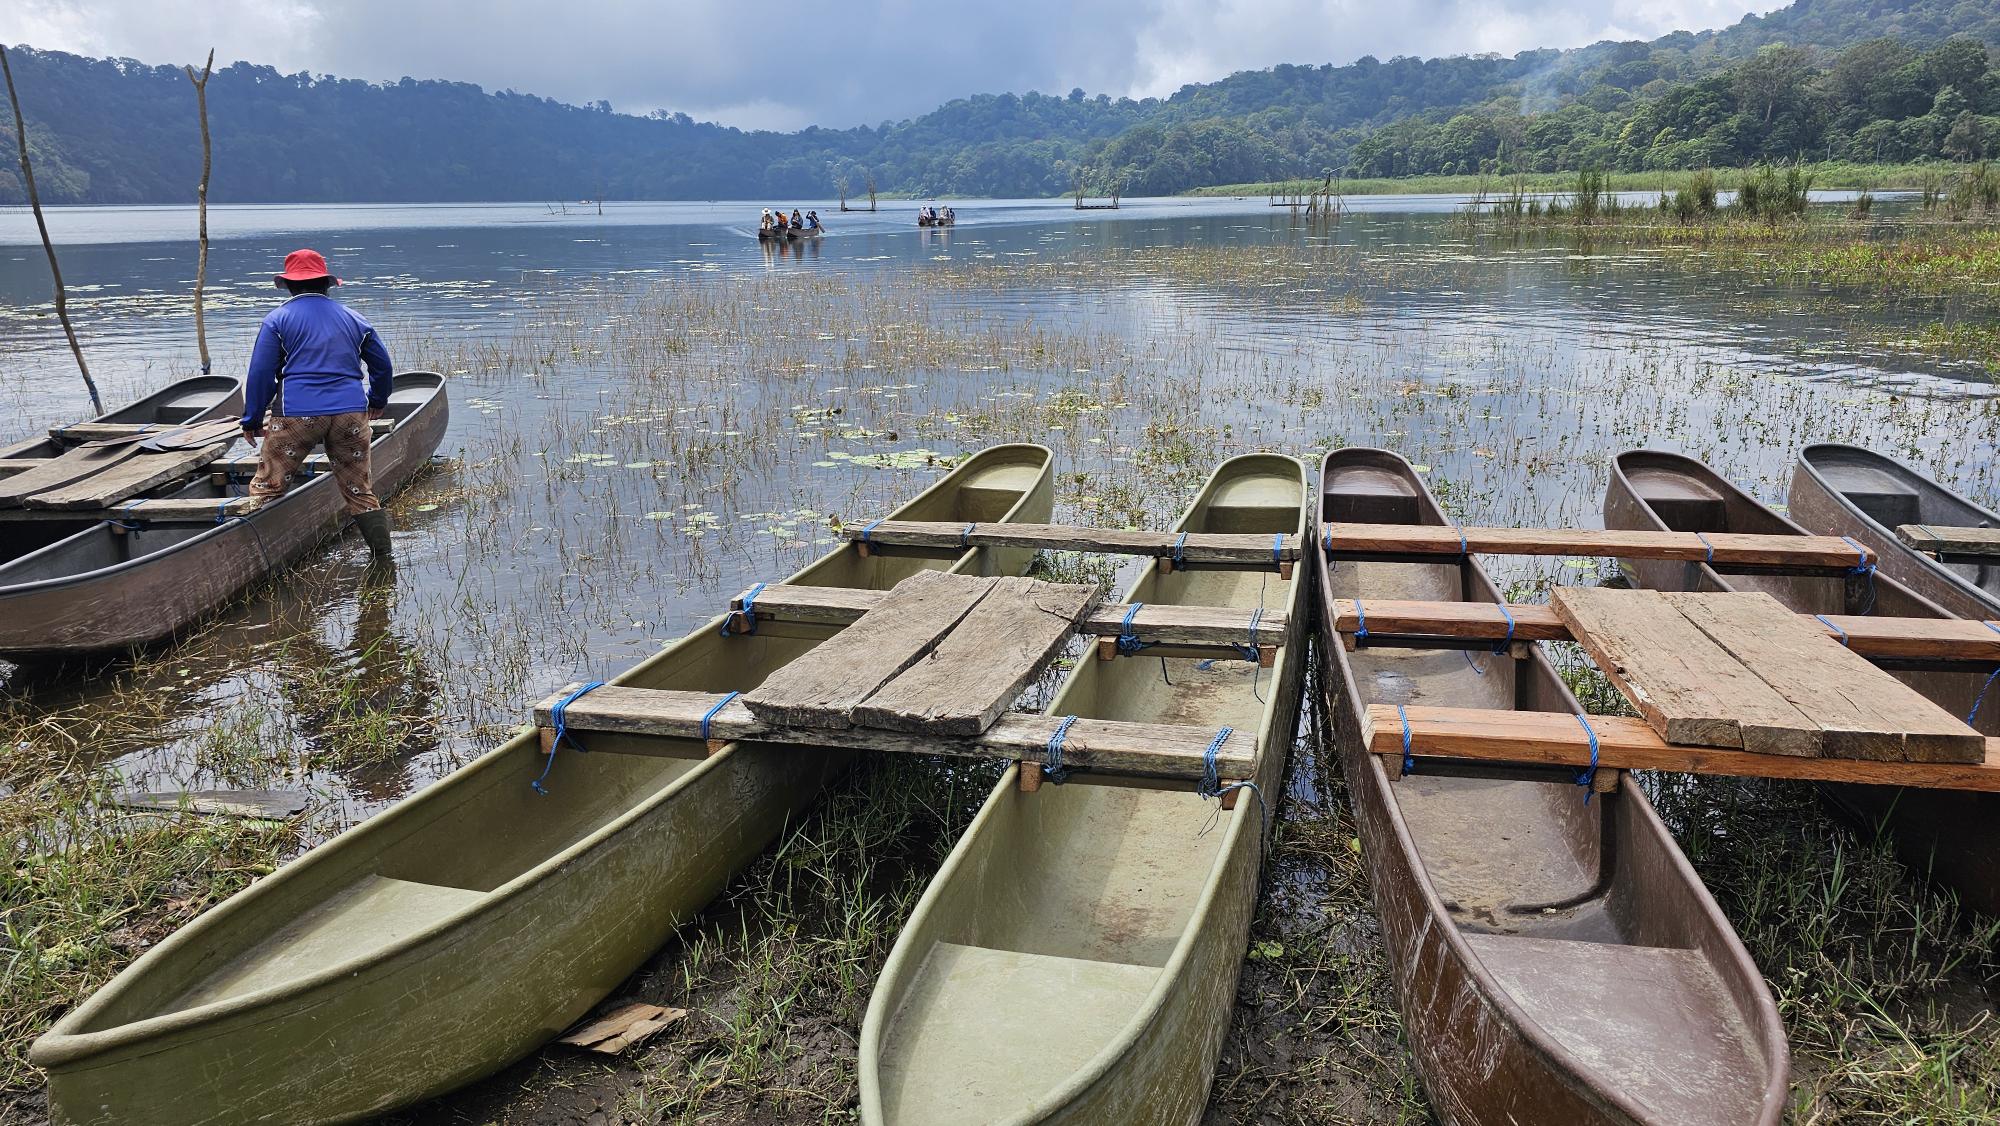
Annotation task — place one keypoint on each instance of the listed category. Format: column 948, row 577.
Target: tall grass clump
column 1766, row 195
column 1696, row 201
column 1975, row 190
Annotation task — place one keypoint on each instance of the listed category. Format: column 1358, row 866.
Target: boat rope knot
column 709, row 715
column 869, row 530
column 1588, row 774
column 1862, row 569
column 1460, row 529
column 746, row 613
column 1277, row 548
column 1361, row 620
column 965, row 537
column 1052, row 766
column 559, row 716
column 1249, row 652
column 1211, row 782
column 1128, row 639
column 1409, row 760
column 1499, row 646
column 1828, row 623
column 1703, row 537
column 1179, row 544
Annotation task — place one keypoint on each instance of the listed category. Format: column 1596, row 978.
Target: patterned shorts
column 289, row 441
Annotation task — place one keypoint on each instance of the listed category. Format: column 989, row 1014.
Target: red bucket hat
column 304, row 265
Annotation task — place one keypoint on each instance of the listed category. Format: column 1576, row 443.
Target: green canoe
column 457, row 931
column 1075, row 959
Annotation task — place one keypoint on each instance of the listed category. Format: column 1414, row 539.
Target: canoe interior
column 1891, row 494
column 184, row 401
column 459, row 845
column 1559, row 908
column 1046, row 935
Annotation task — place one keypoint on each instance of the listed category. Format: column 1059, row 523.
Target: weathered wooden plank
column 1344, row 540
column 256, row 805
column 1216, row 627
column 148, row 431
column 56, row 472
column 1552, row 738
column 183, row 508
column 1689, row 687
column 1932, row 639
column 1195, row 547
column 245, row 465
column 129, row 477
column 12, row 466
column 1150, row 750
column 1862, row 712
column 823, row 686
column 1940, row 539
column 978, row 669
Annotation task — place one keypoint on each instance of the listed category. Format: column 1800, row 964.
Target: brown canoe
column 1556, row 961
column 1953, row 836
column 100, row 584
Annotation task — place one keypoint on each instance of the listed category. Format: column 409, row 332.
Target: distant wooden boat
column 1950, row 835
column 457, row 931
column 82, row 581
column 196, row 399
column 1556, row 962
column 789, row 234
column 1075, row 959
column 940, row 221
column 1848, row 491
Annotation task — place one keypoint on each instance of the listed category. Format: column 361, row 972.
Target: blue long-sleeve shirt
column 316, row 346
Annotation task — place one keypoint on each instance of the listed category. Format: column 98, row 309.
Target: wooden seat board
column 981, row 666
column 1940, row 539
column 1556, row 739
column 1195, row 547
column 63, row 469
column 1347, row 540
column 1861, row 711
column 127, row 478
column 1150, row 750
column 1688, row 686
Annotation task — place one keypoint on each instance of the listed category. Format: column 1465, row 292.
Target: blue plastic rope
column 710, row 713
column 1588, row 774
column 1326, row 538
column 1052, row 766
column 1460, row 529
column 1128, row 640
column 1973, row 716
column 1409, row 760
column 1994, row 626
column 222, row 512
column 559, row 715
column 1249, row 652
column 1823, row 620
column 1211, row 785
column 1277, row 546
column 1361, row 625
column 965, row 537
column 1711, row 548
column 1178, row 545
column 869, row 530
column 748, row 612
column 1863, row 569
column 1499, row 646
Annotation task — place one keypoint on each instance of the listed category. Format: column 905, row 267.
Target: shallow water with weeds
column 648, row 418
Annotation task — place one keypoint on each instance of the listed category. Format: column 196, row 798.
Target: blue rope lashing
column 559, row 715
column 1499, row 646
column 709, row 715
column 1973, row 716
column 1249, row 652
column 1326, row 538
column 1179, row 544
column 1863, row 569
column 1361, row 622
column 869, row 530
column 1994, row 626
column 965, row 537
column 1211, row 782
column 1128, row 640
column 1460, row 529
column 1409, row 760
column 128, row 525
column 1052, row 765
column 222, row 512
column 1588, row 774
column 1828, row 623
column 1277, row 549
column 1711, row 548
column 747, row 612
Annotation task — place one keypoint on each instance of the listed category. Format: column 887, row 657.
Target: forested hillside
column 1847, row 79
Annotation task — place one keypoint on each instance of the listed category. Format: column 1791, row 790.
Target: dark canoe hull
column 196, row 399
column 517, row 911
column 1819, row 503
column 1452, row 860
column 1951, row 836
column 152, row 594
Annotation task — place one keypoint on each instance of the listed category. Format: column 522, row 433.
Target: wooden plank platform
column 56, row 472
column 1952, row 543
column 824, row 685
column 1366, row 541
column 982, row 665
column 1140, row 749
column 1860, row 711
column 127, row 478
column 97, row 431
column 1213, row 548
column 1553, row 738
column 1884, row 638
column 1219, row 628
column 162, row 510
column 1689, row 688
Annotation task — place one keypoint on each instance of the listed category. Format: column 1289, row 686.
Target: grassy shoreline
column 1827, row 176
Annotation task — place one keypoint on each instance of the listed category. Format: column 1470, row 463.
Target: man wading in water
column 308, row 358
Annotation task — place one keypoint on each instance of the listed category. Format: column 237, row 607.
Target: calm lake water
column 651, row 411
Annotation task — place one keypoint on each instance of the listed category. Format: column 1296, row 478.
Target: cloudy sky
column 831, row 62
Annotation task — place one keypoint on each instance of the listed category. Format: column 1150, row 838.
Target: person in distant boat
column 812, row 220
column 764, row 224
column 306, row 371
column 798, row 221
column 950, row 215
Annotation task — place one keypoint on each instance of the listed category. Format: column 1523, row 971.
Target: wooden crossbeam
column 1556, row 739
column 94, row 431
column 1924, row 639
column 1977, row 544
column 1364, row 541
column 1236, row 549
column 1150, row 750
column 159, row 510
column 22, row 464
column 1191, row 627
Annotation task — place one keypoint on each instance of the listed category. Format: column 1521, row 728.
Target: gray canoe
column 457, row 931
column 196, row 399
column 1848, row 491
column 1556, row 962
column 1075, row 959
column 1953, row 836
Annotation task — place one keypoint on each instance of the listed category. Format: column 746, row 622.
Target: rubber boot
column 374, row 526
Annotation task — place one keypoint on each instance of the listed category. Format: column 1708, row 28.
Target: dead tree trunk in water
column 35, row 204
column 201, row 207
